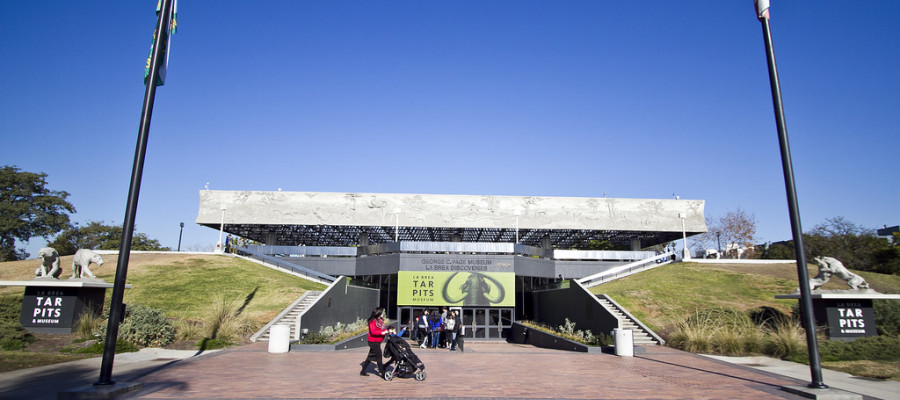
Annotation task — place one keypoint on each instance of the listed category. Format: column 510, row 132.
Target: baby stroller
column 406, row 364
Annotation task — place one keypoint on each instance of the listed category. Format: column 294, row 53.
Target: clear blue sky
column 563, row 98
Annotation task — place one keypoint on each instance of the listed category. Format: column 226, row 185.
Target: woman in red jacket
column 376, row 336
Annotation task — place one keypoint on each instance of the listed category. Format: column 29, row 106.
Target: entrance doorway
column 481, row 323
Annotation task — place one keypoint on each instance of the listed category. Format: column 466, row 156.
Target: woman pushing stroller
column 377, row 330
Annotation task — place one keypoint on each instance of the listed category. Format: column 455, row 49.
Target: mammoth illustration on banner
column 474, row 290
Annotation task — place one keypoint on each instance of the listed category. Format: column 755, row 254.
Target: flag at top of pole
column 762, row 9
column 173, row 24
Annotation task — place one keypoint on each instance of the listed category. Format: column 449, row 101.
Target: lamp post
column 809, row 324
column 687, row 252
column 718, row 244
column 180, row 231
column 517, row 213
column 396, row 224
column 219, row 248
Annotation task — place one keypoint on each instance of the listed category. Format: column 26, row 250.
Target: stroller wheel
column 420, row 375
column 389, row 373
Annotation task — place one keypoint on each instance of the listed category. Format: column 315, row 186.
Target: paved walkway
column 487, row 370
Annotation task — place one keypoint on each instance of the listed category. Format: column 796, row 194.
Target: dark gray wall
column 581, row 269
column 378, row 265
column 335, row 266
column 539, row 267
column 342, row 303
column 576, row 303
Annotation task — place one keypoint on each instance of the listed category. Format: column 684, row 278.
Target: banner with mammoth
column 457, row 282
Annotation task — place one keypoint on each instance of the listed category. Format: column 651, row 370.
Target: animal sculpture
column 829, row 266
column 49, row 263
column 83, row 259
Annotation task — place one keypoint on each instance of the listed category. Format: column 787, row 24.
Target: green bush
column 336, row 333
column 143, row 326
column 873, row 348
column 887, row 316
column 12, row 335
column 212, row 344
column 122, row 346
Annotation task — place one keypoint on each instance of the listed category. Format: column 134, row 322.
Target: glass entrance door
column 485, row 323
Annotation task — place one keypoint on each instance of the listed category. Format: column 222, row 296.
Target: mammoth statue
column 829, row 266
column 49, row 263
column 84, row 258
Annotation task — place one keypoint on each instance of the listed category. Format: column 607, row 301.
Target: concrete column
column 363, row 239
column 271, row 238
column 635, row 244
column 547, row 245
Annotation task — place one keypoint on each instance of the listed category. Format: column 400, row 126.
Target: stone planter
column 522, row 334
column 351, row 343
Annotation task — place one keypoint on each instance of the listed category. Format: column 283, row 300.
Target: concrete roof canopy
column 339, row 219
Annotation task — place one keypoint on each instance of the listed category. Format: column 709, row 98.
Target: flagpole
column 806, row 309
column 116, row 308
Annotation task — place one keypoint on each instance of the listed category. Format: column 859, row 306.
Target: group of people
column 435, row 330
column 439, row 330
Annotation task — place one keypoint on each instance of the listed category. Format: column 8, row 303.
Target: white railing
column 627, row 269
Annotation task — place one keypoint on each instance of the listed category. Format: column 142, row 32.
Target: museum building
column 498, row 258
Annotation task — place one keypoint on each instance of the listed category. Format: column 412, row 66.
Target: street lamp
column 219, row 248
column 517, row 213
column 719, row 244
column 806, row 307
column 396, row 224
column 687, row 252
column 179, row 235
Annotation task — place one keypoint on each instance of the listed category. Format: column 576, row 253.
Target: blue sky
column 565, row 98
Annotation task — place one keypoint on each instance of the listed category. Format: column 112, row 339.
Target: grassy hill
column 186, row 286
column 666, row 295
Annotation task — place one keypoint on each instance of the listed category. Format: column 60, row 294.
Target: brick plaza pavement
column 487, row 370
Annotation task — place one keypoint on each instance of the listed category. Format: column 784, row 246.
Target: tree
column 853, row 244
column 28, row 209
column 736, row 231
column 97, row 236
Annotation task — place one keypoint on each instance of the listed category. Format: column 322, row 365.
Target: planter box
column 522, row 334
column 351, row 343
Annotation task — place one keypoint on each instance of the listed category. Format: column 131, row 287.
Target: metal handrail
column 297, row 269
column 625, row 270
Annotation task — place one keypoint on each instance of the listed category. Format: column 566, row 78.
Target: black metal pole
column 809, row 323
column 116, row 307
column 180, row 231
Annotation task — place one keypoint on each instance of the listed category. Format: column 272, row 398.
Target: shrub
column 873, row 348
column 87, row 324
column 887, row 316
column 143, row 326
column 122, row 346
column 783, row 337
column 12, row 335
column 719, row 330
column 212, row 344
column 336, row 333
column 225, row 322
column 568, row 331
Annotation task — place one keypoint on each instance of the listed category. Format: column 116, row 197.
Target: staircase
column 289, row 316
column 643, row 336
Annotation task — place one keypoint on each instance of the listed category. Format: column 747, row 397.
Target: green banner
column 444, row 288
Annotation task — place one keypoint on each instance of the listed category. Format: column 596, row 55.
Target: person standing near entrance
column 452, row 329
column 437, row 326
column 376, row 336
column 422, row 327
